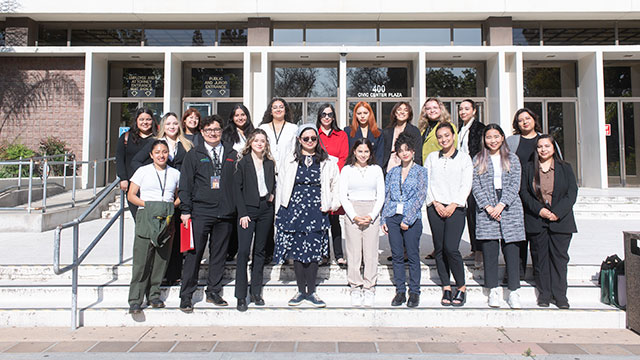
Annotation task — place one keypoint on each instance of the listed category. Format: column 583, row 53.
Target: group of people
column 285, row 188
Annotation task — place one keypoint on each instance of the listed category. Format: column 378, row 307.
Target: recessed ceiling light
column 627, row 55
column 457, row 56
column 304, row 56
column 211, row 56
column 135, row 56
column 551, row 55
column 379, row 56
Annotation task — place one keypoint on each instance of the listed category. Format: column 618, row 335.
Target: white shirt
column 239, row 146
column 449, row 178
column 173, row 147
column 149, row 180
column 283, row 144
column 496, row 160
column 463, row 137
column 262, row 185
column 361, row 184
column 219, row 149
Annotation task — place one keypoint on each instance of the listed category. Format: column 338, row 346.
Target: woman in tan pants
column 362, row 197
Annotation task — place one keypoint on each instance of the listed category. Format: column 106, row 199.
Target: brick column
column 259, row 31
column 20, row 31
column 498, row 31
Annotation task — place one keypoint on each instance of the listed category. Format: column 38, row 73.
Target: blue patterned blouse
column 411, row 193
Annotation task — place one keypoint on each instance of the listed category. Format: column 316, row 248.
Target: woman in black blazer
column 401, row 117
column 548, row 192
column 254, row 190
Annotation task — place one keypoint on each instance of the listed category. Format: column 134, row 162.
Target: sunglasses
column 329, row 115
column 309, row 139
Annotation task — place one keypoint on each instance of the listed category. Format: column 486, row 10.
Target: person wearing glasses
column 336, row 144
column 206, row 195
column 401, row 116
column 307, row 190
column 364, row 126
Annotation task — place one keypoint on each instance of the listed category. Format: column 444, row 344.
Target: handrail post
column 29, row 195
column 120, row 250
column 44, row 185
column 20, row 173
column 95, row 176
column 74, row 280
column 73, row 185
column 64, row 173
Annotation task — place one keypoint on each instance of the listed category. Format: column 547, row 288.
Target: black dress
column 302, row 229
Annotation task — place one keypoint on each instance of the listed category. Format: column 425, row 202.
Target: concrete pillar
column 343, row 106
column 20, row 31
column 95, row 109
column 420, row 85
column 593, row 146
column 173, row 83
column 260, row 88
column 259, row 31
column 498, row 30
column 499, row 92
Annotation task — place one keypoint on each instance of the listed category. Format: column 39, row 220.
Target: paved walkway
column 411, row 342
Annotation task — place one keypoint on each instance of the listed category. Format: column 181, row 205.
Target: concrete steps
column 610, row 203
column 113, row 207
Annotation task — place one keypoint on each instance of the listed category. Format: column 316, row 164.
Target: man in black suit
column 206, row 195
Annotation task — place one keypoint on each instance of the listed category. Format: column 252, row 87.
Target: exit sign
column 607, row 129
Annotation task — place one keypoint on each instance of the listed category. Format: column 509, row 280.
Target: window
column 318, row 80
column 341, row 37
column 617, row 81
column 415, row 36
column 136, row 80
column 179, row 37
column 3, row 34
column 52, row 36
column 629, row 36
column 549, row 81
column 288, row 36
column 455, row 80
column 215, row 82
column 106, row 37
column 529, row 36
column 578, row 36
column 467, row 36
column 377, row 81
column 232, row 36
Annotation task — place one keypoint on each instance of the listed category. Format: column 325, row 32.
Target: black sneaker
column 414, row 300
column 315, row 300
column 257, row 299
column 156, row 303
column 135, row 309
column 399, row 299
column 216, row 299
column 242, row 305
column 297, row 299
column 186, row 306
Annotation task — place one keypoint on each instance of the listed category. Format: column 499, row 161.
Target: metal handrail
column 77, row 260
column 46, row 163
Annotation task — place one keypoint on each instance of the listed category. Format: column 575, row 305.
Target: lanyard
column 162, row 187
column 277, row 135
column 216, row 162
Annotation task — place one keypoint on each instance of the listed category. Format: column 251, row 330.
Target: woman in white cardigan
column 362, row 197
column 307, row 190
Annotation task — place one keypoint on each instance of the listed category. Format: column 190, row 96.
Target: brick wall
column 42, row 96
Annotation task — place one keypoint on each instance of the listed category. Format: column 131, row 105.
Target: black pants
column 133, row 209
column 261, row 221
column 523, row 248
column 336, row 236
column 446, row 243
column 215, row 231
column 551, row 258
column 174, row 269
column 232, row 248
column 306, row 276
column 490, row 252
column 471, row 222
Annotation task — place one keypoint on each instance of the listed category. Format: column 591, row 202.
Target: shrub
column 14, row 152
column 52, row 145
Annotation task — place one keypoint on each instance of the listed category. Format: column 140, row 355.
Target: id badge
column 399, row 209
column 215, row 182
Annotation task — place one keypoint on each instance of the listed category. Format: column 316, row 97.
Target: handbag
column 611, row 267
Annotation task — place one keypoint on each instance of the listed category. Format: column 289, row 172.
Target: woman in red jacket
column 336, row 144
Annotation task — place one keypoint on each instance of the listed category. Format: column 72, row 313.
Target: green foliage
column 450, row 82
column 14, row 152
column 52, row 145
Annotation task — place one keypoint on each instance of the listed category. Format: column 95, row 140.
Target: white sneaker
column 514, row 300
column 369, row 298
column 494, row 298
column 356, row 297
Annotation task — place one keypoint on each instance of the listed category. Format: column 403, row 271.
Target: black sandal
column 446, row 296
column 459, row 299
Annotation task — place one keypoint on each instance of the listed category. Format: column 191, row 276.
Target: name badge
column 215, row 182
column 400, row 209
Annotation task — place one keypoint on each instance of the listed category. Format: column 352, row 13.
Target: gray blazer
column 511, row 226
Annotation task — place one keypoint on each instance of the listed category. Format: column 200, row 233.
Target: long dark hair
column 516, row 129
column 268, row 116
column 320, row 153
column 394, row 118
column 482, row 159
column 352, row 160
column 230, row 132
column 536, row 164
column 334, row 123
column 134, row 133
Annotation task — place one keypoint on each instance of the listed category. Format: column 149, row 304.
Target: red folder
column 186, row 237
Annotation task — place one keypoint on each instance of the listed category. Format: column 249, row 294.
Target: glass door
column 622, row 135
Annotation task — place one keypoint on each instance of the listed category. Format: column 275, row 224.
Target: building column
column 94, row 129
column 592, row 140
column 20, row 31
column 259, row 90
column 173, row 84
column 343, row 106
column 499, row 92
column 420, row 86
column 498, row 31
column 259, row 31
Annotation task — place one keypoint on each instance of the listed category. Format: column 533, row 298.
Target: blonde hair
column 180, row 136
column 247, row 146
column 423, row 121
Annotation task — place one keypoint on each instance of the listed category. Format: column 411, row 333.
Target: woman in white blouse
column 450, row 174
column 362, row 197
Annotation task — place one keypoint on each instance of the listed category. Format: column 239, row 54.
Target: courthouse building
column 79, row 69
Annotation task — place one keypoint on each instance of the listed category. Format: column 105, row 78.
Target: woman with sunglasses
column 364, row 126
column 336, row 144
column 307, row 190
